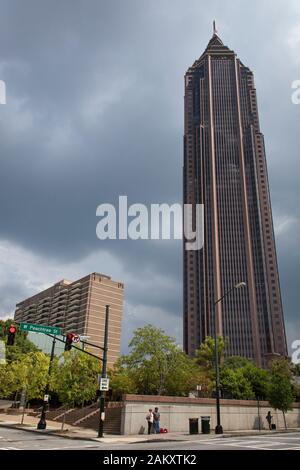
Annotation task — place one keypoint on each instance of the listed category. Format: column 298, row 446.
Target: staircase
column 88, row 416
column 112, row 423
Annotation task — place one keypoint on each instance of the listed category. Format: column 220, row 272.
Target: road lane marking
column 72, row 448
column 289, row 448
column 9, row 448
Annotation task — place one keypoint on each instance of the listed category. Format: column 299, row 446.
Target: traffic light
column 69, row 341
column 11, row 335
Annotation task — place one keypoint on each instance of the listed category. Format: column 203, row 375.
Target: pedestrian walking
column 150, row 419
column 156, row 420
column 269, row 419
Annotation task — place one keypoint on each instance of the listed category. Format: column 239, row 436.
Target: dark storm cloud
column 95, row 110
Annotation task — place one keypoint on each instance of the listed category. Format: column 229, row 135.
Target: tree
column 121, row 382
column 235, row 384
column 7, row 382
column 236, row 362
column 183, row 375
column 258, row 378
column 205, row 355
column 156, row 365
column 296, row 370
column 27, row 373
column 74, row 377
column 280, row 394
column 244, row 369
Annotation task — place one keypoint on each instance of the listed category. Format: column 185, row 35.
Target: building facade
column 79, row 307
column 225, row 169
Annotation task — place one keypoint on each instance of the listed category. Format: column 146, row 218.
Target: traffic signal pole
column 42, row 422
column 103, row 375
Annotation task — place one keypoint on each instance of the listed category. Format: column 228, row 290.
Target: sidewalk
column 72, row 432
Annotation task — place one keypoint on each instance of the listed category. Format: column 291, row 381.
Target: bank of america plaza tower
column 225, row 170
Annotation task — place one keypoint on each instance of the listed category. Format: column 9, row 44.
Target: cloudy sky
column 95, row 110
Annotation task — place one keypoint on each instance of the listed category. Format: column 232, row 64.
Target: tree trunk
column 284, row 420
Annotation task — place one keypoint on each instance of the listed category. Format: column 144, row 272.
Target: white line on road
column 289, row 438
column 289, row 448
column 269, row 444
column 71, row 448
column 9, row 448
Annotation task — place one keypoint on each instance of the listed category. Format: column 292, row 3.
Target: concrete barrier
column 176, row 411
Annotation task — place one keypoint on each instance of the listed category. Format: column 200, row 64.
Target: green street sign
column 52, row 330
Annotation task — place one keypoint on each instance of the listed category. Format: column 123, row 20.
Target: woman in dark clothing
column 269, row 419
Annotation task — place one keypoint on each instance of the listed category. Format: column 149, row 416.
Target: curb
column 51, row 432
column 59, row 433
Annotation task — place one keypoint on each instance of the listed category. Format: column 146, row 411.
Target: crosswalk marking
column 71, row 447
column 262, row 444
column 289, row 448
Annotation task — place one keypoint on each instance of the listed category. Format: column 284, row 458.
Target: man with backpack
column 156, row 421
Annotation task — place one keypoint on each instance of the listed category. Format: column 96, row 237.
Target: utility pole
column 103, row 375
column 42, row 422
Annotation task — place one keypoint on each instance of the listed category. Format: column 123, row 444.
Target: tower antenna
column 214, row 27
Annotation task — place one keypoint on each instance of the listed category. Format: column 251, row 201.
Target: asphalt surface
column 13, row 439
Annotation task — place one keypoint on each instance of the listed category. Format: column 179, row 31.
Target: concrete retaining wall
column 176, row 411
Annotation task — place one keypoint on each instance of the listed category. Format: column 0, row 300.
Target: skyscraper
column 225, row 169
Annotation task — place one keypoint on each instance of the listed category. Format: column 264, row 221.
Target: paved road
column 266, row 442
column 13, row 439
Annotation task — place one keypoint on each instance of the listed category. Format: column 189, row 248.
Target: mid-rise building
column 79, row 307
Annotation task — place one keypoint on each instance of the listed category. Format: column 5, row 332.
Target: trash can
column 194, row 426
column 205, row 424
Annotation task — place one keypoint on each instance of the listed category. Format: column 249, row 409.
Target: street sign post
column 52, row 330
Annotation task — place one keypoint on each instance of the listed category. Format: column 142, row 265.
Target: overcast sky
column 95, row 110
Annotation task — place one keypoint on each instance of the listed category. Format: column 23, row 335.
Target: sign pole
column 42, row 422
column 103, row 375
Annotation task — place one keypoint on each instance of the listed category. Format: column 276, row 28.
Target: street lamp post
column 219, row 428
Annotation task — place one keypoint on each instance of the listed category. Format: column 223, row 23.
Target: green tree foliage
column 205, row 355
column 236, row 362
column 74, row 377
column 29, row 372
column 296, row 370
column 257, row 378
column 121, row 382
column 7, row 382
column 155, row 365
column 240, row 377
column 235, row 385
column 280, row 394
